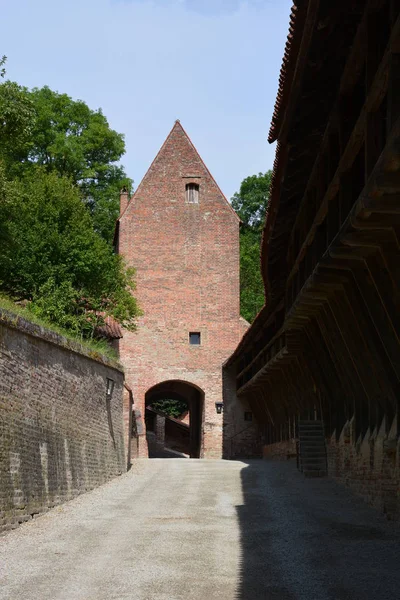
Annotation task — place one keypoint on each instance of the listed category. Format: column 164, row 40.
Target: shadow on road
column 311, row 539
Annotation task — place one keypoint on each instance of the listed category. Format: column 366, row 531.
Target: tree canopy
column 251, row 203
column 17, row 119
column 43, row 127
column 2, row 67
column 171, row 408
column 59, row 189
column 52, row 256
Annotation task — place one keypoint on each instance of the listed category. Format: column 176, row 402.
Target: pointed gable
column 181, row 236
column 178, row 159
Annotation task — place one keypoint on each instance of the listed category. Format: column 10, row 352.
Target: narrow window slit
column 194, row 338
column 192, row 193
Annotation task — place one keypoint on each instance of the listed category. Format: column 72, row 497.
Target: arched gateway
column 182, row 236
column 182, row 436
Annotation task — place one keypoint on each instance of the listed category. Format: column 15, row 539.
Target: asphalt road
column 189, row 529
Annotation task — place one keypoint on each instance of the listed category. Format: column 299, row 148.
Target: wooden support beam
column 393, row 94
column 375, row 222
column 380, row 364
column 358, row 350
column 394, row 11
column 384, row 244
column 372, row 104
column 319, row 357
column 376, row 310
column 386, row 204
column 380, row 367
column 374, row 139
column 388, row 182
column 385, row 289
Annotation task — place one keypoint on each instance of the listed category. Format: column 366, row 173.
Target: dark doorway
column 164, row 428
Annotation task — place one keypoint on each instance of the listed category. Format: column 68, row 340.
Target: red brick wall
column 187, row 262
column 177, row 437
column 369, row 466
column 284, row 450
column 185, row 418
column 241, row 439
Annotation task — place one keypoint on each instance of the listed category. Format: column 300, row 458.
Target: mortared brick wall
column 186, row 257
column 59, row 436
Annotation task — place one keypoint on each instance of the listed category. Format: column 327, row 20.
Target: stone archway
column 193, row 396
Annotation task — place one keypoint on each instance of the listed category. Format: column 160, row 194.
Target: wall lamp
column 219, row 407
column 110, row 388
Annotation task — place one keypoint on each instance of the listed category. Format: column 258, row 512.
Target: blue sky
column 213, row 64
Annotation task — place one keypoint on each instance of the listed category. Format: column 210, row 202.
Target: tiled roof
column 288, row 65
column 110, row 330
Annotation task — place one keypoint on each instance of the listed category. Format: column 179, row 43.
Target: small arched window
column 192, row 193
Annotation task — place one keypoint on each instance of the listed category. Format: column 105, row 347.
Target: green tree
column 251, row 203
column 2, row 67
column 17, row 119
column 171, row 408
column 66, row 137
column 53, row 257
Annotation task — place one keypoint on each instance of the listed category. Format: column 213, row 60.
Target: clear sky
column 213, row 64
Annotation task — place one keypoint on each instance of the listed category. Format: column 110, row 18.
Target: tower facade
column 182, row 236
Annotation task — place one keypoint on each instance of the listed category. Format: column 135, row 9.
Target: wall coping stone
column 14, row 321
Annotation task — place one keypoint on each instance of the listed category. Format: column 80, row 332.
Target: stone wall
column 59, row 436
column 369, row 465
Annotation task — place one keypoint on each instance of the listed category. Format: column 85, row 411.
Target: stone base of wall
column 368, row 466
column 143, row 447
column 281, row 450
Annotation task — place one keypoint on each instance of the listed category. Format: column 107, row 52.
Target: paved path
column 205, row 530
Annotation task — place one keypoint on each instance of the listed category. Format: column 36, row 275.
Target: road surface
column 203, row 530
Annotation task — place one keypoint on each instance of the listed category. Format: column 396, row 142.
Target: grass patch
column 96, row 346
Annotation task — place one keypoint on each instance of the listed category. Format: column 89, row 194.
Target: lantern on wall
column 219, row 406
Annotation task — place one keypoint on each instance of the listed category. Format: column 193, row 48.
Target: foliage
column 251, row 203
column 252, row 296
column 2, row 68
column 53, row 257
column 171, row 408
column 59, row 190
column 66, row 137
column 95, row 346
column 17, row 119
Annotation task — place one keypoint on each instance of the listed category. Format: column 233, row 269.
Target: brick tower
column 182, row 237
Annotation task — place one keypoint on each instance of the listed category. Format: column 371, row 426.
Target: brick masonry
column 186, row 257
column 241, row 438
column 284, row 450
column 59, row 436
column 370, row 466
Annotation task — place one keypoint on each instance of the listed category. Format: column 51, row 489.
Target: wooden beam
column 393, row 94
column 372, row 103
column 386, row 204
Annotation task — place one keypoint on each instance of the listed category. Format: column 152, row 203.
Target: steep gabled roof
column 178, row 127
